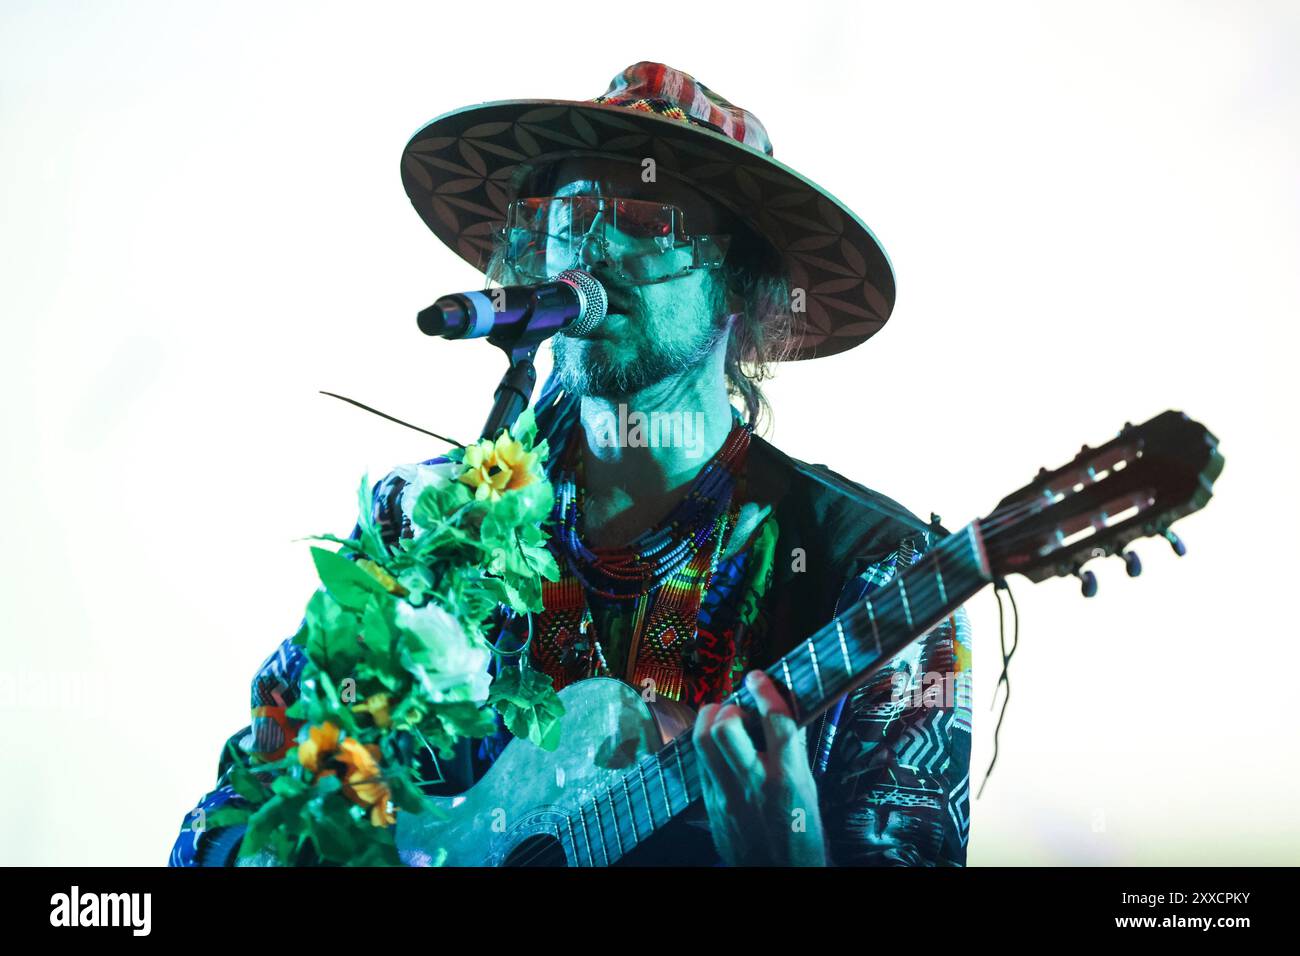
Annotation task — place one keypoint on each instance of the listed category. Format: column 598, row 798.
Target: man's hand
column 762, row 806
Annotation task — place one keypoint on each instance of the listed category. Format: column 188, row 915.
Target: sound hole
column 538, row 850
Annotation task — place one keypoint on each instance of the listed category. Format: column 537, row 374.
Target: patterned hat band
column 659, row 107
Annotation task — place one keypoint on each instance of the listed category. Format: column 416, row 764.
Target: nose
column 592, row 248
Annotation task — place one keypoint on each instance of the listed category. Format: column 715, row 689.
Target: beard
column 603, row 368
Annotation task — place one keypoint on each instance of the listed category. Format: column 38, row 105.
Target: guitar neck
column 616, row 818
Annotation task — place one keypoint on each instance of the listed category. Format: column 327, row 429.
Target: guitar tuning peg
column 1132, row 563
column 1089, row 583
column 1175, row 542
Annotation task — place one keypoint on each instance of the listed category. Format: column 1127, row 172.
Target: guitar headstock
column 1134, row 486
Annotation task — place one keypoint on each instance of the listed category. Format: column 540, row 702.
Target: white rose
column 456, row 668
column 420, row 476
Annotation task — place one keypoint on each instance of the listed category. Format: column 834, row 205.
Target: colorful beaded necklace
column 664, row 573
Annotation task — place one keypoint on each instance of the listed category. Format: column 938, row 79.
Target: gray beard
column 583, row 370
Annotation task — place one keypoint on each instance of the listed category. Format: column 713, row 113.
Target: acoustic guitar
column 626, row 767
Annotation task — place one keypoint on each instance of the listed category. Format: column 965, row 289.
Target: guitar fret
column 938, row 576
column 785, row 668
column 645, row 792
column 817, row 671
column 663, row 783
column 844, row 647
column 586, row 834
column 573, row 838
column 618, row 834
column 600, row 830
column 631, row 813
column 875, row 631
column 907, row 608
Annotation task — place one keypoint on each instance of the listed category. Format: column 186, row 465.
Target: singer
column 690, row 567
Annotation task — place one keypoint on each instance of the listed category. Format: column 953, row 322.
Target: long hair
column 761, row 337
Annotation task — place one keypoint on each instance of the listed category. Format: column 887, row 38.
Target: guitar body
column 510, row 817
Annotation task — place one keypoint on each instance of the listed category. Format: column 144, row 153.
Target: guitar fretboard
column 614, row 819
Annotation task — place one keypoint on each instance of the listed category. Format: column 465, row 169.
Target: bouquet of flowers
column 398, row 656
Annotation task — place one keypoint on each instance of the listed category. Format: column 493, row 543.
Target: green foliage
column 398, row 661
column 528, row 705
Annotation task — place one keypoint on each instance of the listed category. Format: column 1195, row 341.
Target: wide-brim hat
column 463, row 168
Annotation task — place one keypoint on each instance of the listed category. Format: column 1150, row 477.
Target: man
column 692, row 563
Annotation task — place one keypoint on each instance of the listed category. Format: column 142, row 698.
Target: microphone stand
column 515, row 390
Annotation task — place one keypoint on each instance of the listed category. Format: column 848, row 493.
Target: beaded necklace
column 664, row 573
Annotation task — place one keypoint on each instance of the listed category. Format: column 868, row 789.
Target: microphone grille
column 593, row 302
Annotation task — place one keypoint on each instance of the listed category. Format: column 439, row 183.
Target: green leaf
column 405, row 794
column 227, row 816
column 332, row 635
column 380, row 632
column 332, row 828
column 439, row 503
column 524, row 429
column 247, row 785
column 528, row 705
column 329, row 784
column 348, row 584
column 371, row 537
column 530, row 504
column 274, row 823
column 288, row 786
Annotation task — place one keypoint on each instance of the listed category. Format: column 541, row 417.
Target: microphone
column 522, row 315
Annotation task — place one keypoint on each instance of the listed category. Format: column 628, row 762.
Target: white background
column 1092, row 211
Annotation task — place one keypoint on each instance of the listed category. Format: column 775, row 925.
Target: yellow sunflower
column 322, row 741
column 364, row 785
column 494, row 467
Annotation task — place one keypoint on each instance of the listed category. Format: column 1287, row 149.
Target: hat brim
column 462, row 168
